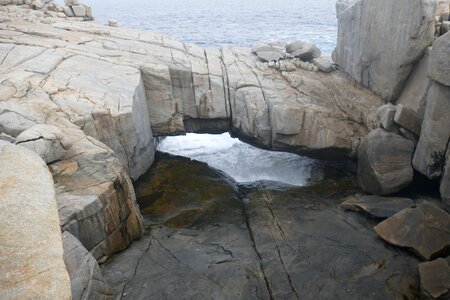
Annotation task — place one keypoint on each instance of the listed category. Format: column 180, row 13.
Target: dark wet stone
column 425, row 229
column 435, row 279
column 258, row 241
column 182, row 193
column 376, row 206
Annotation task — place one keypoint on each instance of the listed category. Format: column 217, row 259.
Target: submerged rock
column 384, row 162
column 424, row 229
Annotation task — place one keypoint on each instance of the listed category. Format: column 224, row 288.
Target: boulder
column 269, row 51
column 435, row 279
column 435, row 133
column 385, row 116
column 71, row 2
column 384, row 162
column 442, row 10
column 303, row 50
column 414, row 94
column 79, row 10
column 375, row 50
column 46, row 140
column 31, row 251
column 112, row 23
column 407, row 118
column 68, row 11
column 325, row 65
column 445, row 182
column 424, row 229
column 376, row 206
column 439, row 69
column 85, row 276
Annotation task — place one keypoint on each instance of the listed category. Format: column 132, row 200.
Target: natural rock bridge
column 113, row 83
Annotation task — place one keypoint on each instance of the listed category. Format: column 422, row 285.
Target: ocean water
column 230, row 22
column 239, row 23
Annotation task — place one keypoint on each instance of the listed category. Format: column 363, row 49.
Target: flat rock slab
column 425, row 229
column 271, row 242
column 435, row 279
column 376, row 206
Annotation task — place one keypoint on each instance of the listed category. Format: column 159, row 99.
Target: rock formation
column 31, row 251
column 377, row 52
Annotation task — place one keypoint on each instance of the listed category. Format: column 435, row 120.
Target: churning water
column 239, row 23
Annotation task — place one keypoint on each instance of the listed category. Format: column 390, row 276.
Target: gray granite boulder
column 375, row 50
column 429, row 157
column 85, row 276
column 384, row 162
column 385, row 115
column 303, row 50
column 31, row 254
column 439, row 69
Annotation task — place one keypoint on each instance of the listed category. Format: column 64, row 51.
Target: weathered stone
column 439, row 69
column 384, row 162
column 31, row 251
column 425, row 229
column 85, row 276
column 79, row 10
column 435, row 279
column 376, row 206
column 430, row 152
column 385, row 116
column 408, row 119
column 269, row 51
column 47, row 141
column 68, row 11
column 95, row 198
column 415, row 92
column 303, row 50
column 71, row 2
column 324, row 64
column 445, row 182
column 377, row 52
column 112, row 23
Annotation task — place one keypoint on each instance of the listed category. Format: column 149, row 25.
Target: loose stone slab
column 425, row 229
column 435, row 278
column 376, row 206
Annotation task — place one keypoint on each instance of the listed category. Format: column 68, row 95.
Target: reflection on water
column 246, row 163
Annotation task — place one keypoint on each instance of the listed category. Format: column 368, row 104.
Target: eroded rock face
column 176, row 88
column 31, row 251
column 95, row 197
column 424, row 229
column 383, row 59
column 85, row 276
column 46, row 140
column 384, row 162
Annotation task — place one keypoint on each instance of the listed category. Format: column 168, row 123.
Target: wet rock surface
column 425, row 229
column 257, row 241
column 376, row 206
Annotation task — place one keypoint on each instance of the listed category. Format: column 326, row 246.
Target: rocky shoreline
column 80, row 105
